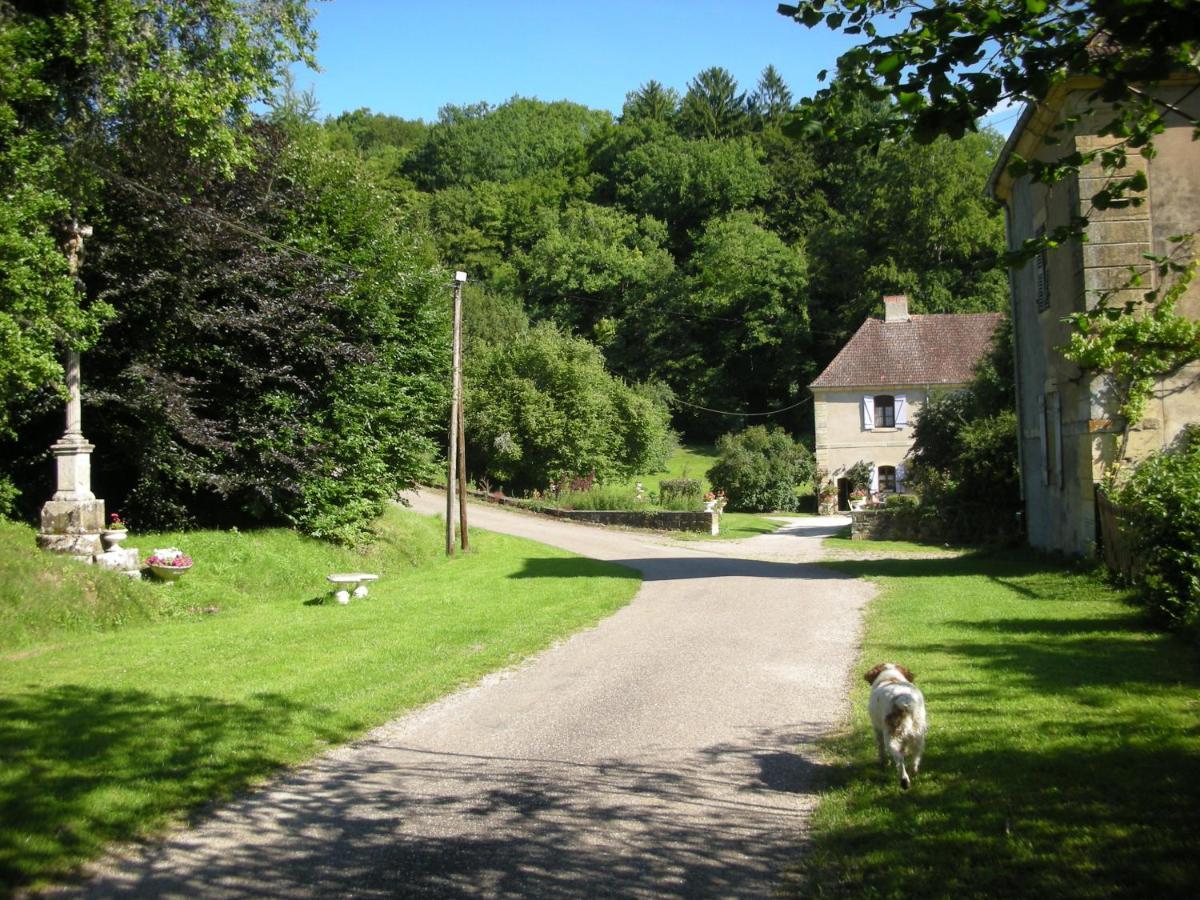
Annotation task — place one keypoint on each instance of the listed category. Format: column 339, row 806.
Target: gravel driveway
column 665, row 752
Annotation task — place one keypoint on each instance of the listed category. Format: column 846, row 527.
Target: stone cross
column 73, row 518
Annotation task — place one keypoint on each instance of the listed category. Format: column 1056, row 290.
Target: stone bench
column 343, row 581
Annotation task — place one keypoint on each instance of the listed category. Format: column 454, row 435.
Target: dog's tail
column 900, row 718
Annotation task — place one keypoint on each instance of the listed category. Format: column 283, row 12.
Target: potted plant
column 858, row 497
column 114, row 532
column 169, row 564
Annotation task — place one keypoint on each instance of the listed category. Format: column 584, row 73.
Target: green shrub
column 900, row 501
column 8, row 497
column 600, row 497
column 1163, row 499
column 759, row 469
column 679, row 490
column 859, row 475
column 542, row 407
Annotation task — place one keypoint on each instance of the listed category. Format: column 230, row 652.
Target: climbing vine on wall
column 1140, row 342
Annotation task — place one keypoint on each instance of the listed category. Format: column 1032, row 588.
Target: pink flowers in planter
column 170, row 557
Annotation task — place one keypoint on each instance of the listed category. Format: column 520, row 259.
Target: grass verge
column 1063, row 747
column 735, row 526
column 843, row 541
column 113, row 724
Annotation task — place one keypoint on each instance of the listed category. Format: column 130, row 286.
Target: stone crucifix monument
column 73, row 518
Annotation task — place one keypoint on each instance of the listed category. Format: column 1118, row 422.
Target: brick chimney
column 895, row 308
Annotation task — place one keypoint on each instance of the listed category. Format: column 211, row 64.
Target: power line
column 633, row 310
column 1007, row 118
column 671, row 312
column 729, row 412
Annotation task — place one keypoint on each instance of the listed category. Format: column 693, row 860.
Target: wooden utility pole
column 462, row 468
column 455, row 405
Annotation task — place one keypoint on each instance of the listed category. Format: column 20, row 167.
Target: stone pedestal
column 73, row 518
column 121, row 559
column 73, row 468
column 72, row 526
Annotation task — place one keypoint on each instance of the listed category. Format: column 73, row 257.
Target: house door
column 843, row 487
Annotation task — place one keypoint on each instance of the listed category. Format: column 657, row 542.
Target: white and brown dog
column 898, row 717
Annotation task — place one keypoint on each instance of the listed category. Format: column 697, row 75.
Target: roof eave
column 1031, row 128
column 1035, row 121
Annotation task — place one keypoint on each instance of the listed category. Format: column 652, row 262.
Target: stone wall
column 664, row 520
column 702, row 522
column 960, row 525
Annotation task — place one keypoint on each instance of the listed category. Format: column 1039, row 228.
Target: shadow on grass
column 674, row 569
column 1062, row 753
column 1063, row 820
column 84, row 766
column 573, row 567
column 1022, row 572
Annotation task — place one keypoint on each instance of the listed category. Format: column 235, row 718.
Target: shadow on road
column 455, row 824
column 686, row 567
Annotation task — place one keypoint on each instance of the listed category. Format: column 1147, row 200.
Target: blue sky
column 408, row 58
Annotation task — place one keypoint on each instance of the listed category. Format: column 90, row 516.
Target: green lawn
column 1063, row 750
column 735, row 526
column 123, row 705
column 690, row 461
column 842, row 541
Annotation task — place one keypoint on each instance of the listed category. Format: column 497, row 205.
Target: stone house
column 865, row 401
column 1070, row 433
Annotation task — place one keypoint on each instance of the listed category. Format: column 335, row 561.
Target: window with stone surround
column 885, row 411
column 887, row 479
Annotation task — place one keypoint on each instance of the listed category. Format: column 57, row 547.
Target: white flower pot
column 112, row 538
column 168, row 573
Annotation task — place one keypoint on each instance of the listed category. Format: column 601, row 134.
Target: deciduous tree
column 542, row 407
column 83, row 80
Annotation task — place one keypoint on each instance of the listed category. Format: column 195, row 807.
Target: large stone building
column 1070, row 433
column 865, row 401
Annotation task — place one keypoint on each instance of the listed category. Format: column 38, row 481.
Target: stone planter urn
column 112, row 538
column 167, row 573
column 168, row 564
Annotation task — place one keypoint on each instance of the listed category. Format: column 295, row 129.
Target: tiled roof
column 936, row 349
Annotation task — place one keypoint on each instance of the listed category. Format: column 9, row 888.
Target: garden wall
column 958, row 525
column 665, row 520
column 660, row 520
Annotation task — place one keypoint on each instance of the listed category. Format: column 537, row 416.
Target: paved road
column 666, row 752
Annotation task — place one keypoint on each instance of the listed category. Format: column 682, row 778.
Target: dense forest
column 262, row 302
column 723, row 242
